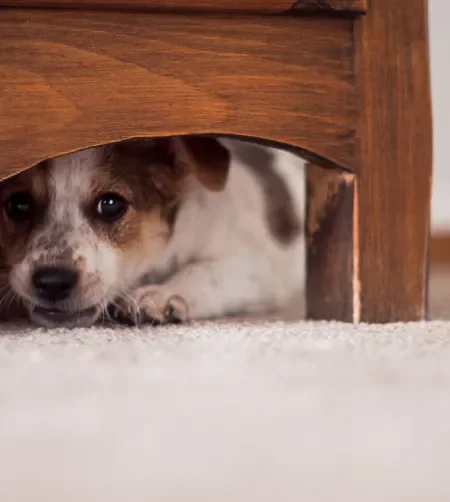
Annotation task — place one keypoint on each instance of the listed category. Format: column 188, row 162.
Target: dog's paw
column 151, row 304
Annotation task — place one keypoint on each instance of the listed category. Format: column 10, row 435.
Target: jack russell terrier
column 155, row 230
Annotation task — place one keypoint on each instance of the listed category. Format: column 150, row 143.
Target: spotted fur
column 196, row 230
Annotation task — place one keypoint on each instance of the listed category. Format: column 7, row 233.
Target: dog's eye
column 110, row 206
column 20, row 207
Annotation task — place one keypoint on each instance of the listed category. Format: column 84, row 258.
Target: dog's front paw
column 152, row 304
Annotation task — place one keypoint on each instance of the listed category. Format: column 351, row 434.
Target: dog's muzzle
column 54, row 284
column 53, row 317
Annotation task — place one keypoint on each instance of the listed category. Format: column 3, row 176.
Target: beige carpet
column 238, row 411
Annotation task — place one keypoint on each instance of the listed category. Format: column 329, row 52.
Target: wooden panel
column 394, row 183
column 331, row 5
column 440, row 249
column 269, row 6
column 332, row 263
column 71, row 80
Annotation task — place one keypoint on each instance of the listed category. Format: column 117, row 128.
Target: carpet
column 242, row 410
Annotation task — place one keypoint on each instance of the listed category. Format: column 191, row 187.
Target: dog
column 155, row 230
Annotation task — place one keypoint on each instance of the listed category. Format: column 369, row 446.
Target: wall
column 440, row 79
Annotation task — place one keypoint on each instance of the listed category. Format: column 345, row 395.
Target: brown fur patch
column 146, row 174
column 209, row 159
column 148, row 168
column 13, row 235
column 151, row 174
column 281, row 217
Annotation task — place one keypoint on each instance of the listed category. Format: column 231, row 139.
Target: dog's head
column 80, row 230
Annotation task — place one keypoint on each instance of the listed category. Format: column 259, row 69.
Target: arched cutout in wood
column 67, row 82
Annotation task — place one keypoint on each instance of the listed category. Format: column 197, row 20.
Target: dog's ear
column 206, row 158
column 172, row 159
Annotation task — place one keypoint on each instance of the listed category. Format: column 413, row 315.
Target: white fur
column 69, row 186
column 232, row 263
column 227, row 260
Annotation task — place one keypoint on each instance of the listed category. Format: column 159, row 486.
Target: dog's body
column 197, row 239
column 227, row 258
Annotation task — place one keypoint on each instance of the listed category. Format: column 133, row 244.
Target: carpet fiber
column 232, row 411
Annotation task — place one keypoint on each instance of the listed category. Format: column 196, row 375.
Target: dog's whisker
column 5, row 297
column 106, row 314
column 126, row 302
column 3, row 300
column 5, row 289
column 7, row 301
column 14, row 297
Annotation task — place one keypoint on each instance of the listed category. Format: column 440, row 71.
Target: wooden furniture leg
column 332, row 281
column 368, row 234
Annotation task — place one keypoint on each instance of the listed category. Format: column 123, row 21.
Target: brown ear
column 171, row 159
column 147, row 160
column 207, row 158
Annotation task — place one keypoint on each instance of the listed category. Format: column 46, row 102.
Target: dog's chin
column 55, row 318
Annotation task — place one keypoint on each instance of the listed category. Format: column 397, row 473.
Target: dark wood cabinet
column 344, row 83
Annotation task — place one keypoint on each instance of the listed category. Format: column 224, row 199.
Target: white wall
column 440, row 79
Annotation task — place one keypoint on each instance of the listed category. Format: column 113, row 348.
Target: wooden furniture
column 346, row 82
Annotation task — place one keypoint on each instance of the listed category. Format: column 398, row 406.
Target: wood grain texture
column 331, row 262
column 394, row 182
column 73, row 80
column 261, row 6
column 358, row 6
column 440, row 249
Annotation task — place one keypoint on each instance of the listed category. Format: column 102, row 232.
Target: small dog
column 161, row 230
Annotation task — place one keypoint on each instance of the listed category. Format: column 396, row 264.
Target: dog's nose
column 54, row 283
